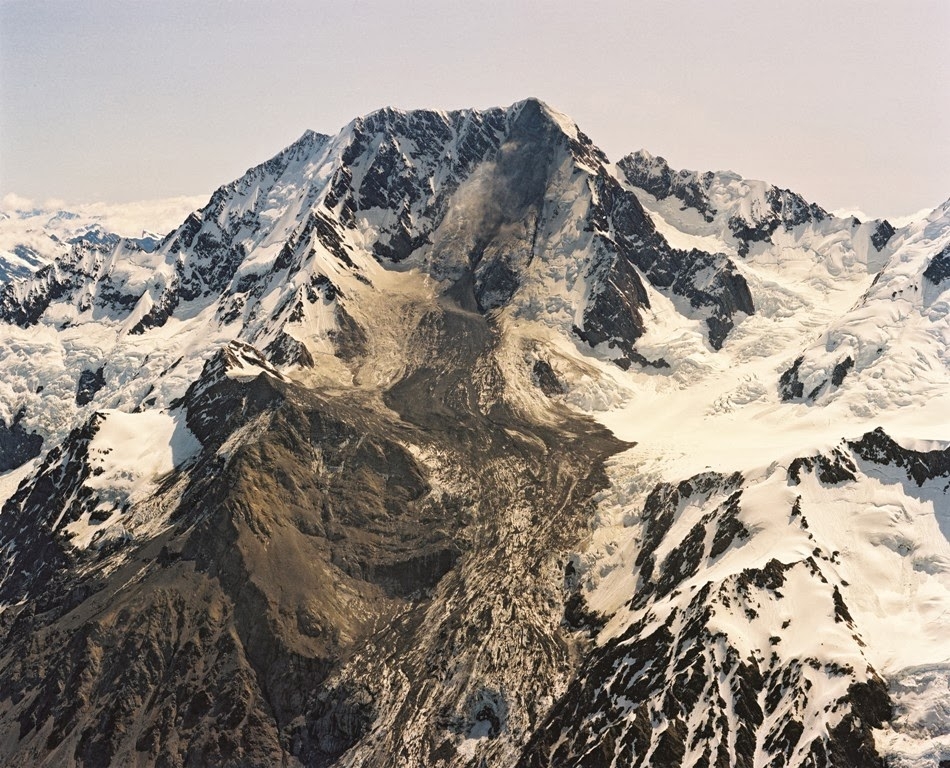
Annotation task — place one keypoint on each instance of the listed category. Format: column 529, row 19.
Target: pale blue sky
column 845, row 102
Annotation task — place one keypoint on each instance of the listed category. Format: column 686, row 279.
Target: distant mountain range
column 32, row 236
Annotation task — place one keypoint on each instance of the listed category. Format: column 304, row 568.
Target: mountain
column 445, row 441
column 899, row 329
column 33, row 237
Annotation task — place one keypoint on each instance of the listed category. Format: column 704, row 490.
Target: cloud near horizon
column 127, row 219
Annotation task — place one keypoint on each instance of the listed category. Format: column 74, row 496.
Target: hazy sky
column 845, row 102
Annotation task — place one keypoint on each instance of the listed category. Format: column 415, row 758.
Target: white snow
column 128, row 456
column 42, row 230
column 10, row 481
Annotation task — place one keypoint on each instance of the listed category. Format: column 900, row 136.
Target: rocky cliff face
column 749, row 218
column 325, row 477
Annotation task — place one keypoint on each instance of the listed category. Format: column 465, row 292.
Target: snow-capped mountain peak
column 444, row 441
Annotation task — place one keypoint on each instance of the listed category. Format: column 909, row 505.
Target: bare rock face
column 289, row 611
column 17, row 446
column 696, row 191
column 89, row 383
column 938, row 270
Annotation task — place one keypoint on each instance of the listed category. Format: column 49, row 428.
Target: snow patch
column 128, row 456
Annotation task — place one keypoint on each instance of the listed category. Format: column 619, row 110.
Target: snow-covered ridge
column 32, row 236
column 722, row 206
column 291, row 256
column 128, row 456
column 741, row 573
column 895, row 339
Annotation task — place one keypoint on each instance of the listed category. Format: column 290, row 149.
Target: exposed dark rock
column 212, row 263
column 842, row 614
column 614, row 315
column 654, row 175
column 47, row 285
column 349, row 338
column 790, row 386
column 339, row 717
column 17, row 446
column 786, row 209
column 95, row 235
column 771, row 576
column 25, row 302
column 852, row 742
column 186, row 233
column 327, row 235
column 882, row 235
column 832, row 470
column 546, row 378
column 658, row 517
column 729, row 527
column 682, row 562
column 206, row 417
column 55, row 493
column 507, row 227
column 393, row 180
column 89, row 383
column 321, row 285
column 343, row 575
column 841, row 370
column 286, row 350
column 746, row 233
column 158, row 313
column 642, row 680
column 579, row 617
column 705, row 280
column 879, row 448
column 298, row 574
column 792, row 209
column 835, row 469
column 519, row 148
column 114, row 298
column 29, row 262
column 938, row 269
column 201, row 637
column 402, row 244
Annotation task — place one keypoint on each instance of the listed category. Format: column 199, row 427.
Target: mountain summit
column 446, row 441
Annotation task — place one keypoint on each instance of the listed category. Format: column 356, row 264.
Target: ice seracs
column 895, row 339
